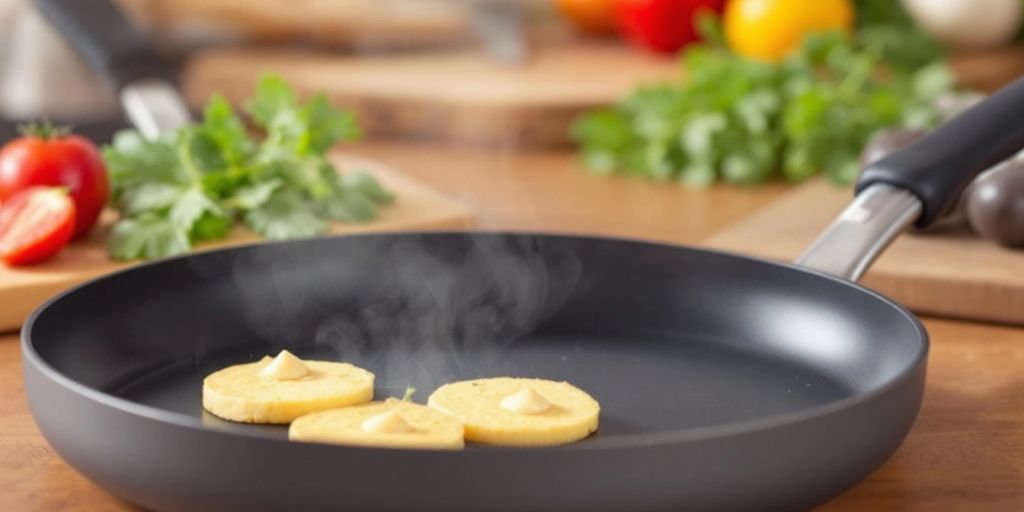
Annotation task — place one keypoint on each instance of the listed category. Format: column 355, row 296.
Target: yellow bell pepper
column 769, row 29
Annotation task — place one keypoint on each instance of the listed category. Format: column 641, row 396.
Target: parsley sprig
column 194, row 186
column 742, row 121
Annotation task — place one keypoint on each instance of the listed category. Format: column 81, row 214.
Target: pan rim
column 629, row 441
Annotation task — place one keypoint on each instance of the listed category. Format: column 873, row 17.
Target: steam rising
column 407, row 307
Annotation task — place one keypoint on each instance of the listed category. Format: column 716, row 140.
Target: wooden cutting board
column 947, row 273
column 460, row 96
column 23, row 289
column 341, row 23
column 465, row 97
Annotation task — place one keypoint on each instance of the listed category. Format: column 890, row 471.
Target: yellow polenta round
column 240, row 393
column 572, row 415
column 427, row 428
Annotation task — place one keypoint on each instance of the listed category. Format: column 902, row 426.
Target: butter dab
column 527, row 401
column 278, row 390
column 392, row 424
column 389, row 422
column 285, row 367
column 510, row 411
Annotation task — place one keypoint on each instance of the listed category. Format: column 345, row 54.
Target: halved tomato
column 48, row 156
column 35, row 225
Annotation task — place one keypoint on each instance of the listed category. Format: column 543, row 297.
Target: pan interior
column 644, row 385
column 665, row 338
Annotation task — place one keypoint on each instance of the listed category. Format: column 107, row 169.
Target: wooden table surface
column 966, row 451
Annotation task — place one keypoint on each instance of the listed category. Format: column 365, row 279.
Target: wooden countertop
column 966, row 451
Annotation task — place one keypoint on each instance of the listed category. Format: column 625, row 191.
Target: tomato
column 594, row 16
column 35, row 225
column 770, row 29
column 52, row 159
column 662, row 26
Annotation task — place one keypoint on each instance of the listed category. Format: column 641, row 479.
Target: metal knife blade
column 501, row 26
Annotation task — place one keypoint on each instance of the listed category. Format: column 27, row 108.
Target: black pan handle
column 918, row 184
column 106, row 39
column 938, row 167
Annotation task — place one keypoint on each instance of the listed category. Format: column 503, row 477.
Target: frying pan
column 726, row 382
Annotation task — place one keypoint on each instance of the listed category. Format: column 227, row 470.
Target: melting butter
column 284, row 367
column 527, row 401
column 389, row 422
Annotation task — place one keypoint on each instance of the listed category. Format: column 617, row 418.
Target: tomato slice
column 35, row 225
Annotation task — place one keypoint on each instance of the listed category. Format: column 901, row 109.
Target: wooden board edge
column 916, row 292
column 20, row 302
column 14, row 313
column 474, row 125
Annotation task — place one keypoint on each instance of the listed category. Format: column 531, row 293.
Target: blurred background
column 506, row 72
column 673, row 118
column 735, row 125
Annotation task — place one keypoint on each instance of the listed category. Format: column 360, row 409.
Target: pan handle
column 112, row 46
column 107, row 41
column 920, row 183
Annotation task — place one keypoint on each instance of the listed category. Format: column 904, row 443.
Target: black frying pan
column 726, row 382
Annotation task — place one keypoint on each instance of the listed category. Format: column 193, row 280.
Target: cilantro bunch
column 195, row 185
column 743, row 121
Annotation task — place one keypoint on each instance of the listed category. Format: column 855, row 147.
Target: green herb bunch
column 743, row 121
column 194, row 186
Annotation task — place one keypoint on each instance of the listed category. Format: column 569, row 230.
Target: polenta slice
column 281, row 389
column 519, row 412
column 393, row 423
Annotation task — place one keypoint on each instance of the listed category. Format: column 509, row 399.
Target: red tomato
column 60, row 161
column 663, row 26
column 35, row 225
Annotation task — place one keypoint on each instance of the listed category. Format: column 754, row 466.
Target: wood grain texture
column 466, row 98
column 339, row 23
column 550, row 191
column 965, row 453
column 988, row 70
column 458, row 96
column 357, row 25
column 22, row 289
column 948, row 272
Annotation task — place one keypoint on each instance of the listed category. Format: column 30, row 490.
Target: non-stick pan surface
column 725, row 382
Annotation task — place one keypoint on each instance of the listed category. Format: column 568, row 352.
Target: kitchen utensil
column 727, row 382
column 113, row 47
column 501, row 26
column 41, row 77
